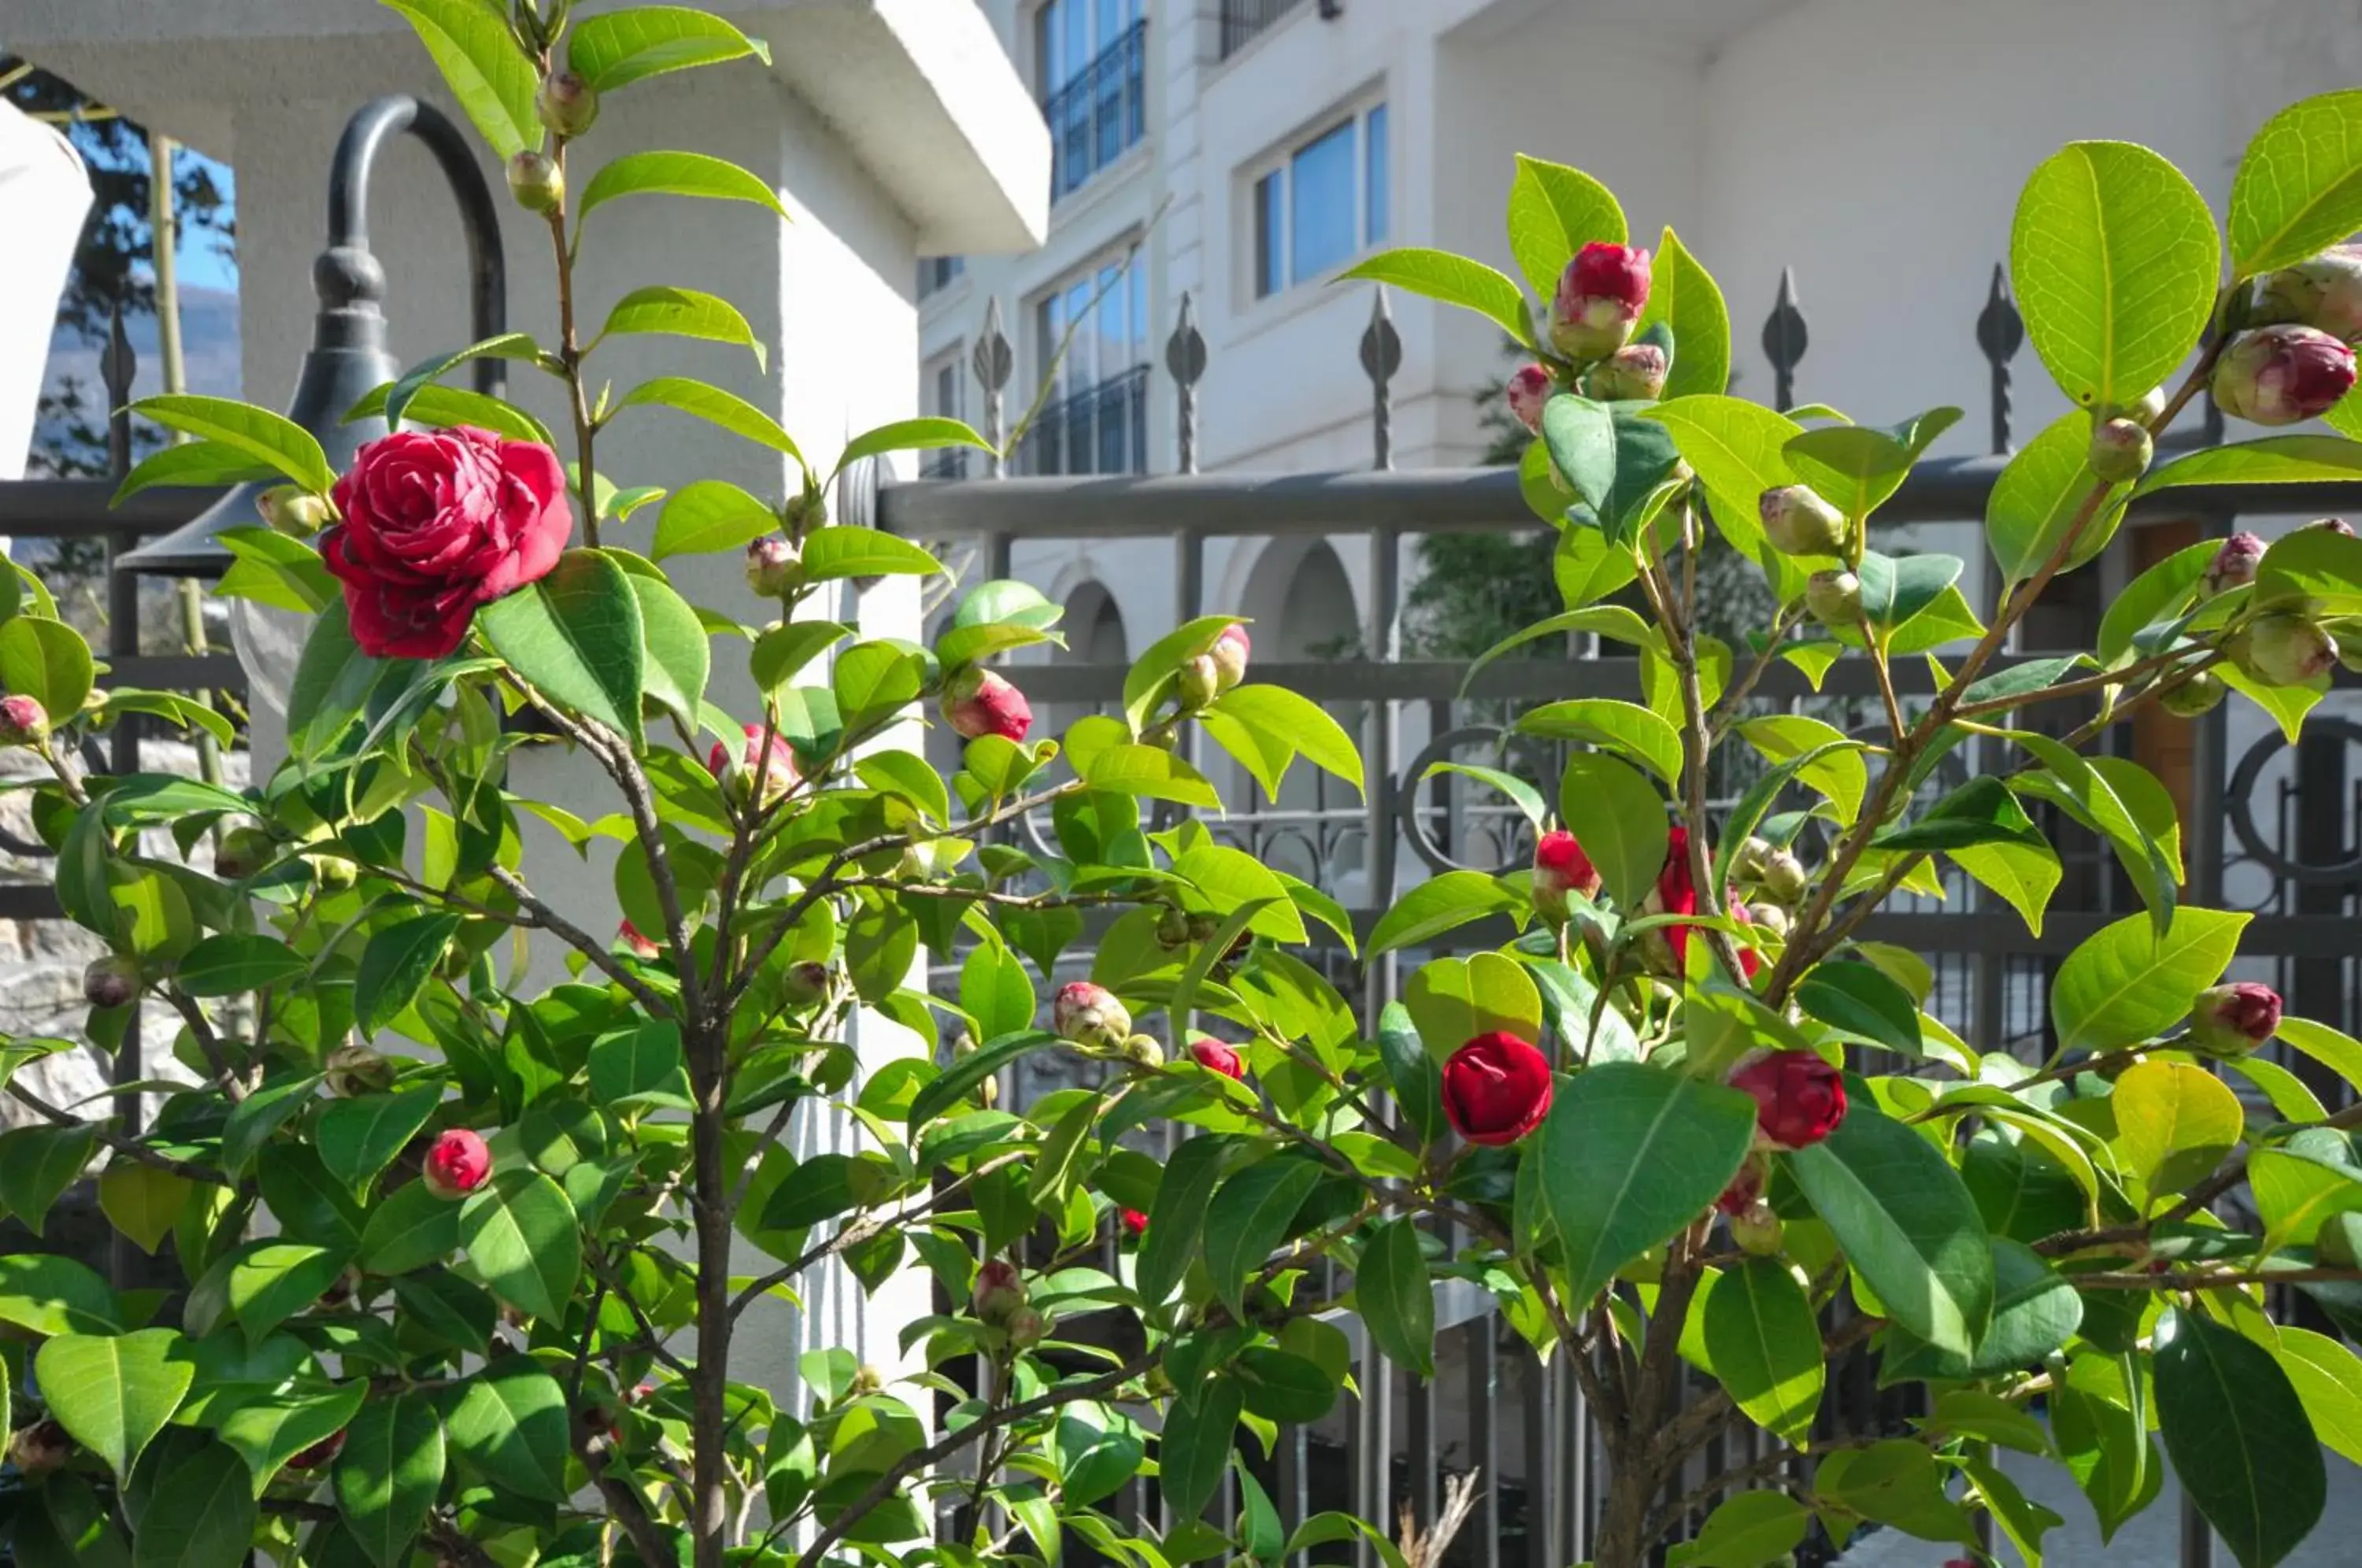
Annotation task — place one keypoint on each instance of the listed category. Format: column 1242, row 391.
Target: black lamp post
column 348, row 357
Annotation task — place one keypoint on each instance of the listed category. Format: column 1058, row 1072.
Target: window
column 936, row 272
column 1322, row 202
column 1096, row 419
column 1090, row 66
column 943, row 390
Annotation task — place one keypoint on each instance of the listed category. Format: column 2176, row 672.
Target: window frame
column 1137, row 309
column 1266, row 195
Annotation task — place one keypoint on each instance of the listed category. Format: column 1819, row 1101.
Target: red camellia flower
column 437, row 523
column 1598, row 298
column 458, row 1163
column 1562, row 867
column 1218, row 1057
column 983, row 703
column 1135, row 1222
column 1799, row 1098
column 1497, row 1088
column 1677, row 894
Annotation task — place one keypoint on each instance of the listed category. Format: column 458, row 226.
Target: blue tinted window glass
column 1375, row 205
column 1269, row 227
column 1320, row 206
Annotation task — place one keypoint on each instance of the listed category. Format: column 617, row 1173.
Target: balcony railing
column 1102, row 429
column 1099, row 112
column 1243, row 20
column 944, row 462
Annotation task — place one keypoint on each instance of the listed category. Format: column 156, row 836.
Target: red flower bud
column 1218, row 1057
column 458, row 1163
column 1529, row 388
column 1089, row 1015
column 2285, row 650
column 2230, row 1021
column 537, row 181
column 773, row 565
column 2321, row 292
column 981, row 703
column 2121, row 449
column 1635, row 372
column 1497, row 1088
column 1000, row 1292
column 635, row 942
column 2233, row 565
column 1135, row 1222
column 110, row 982
column 1598, row 298
column 2278, row 375
column 1562, row 867
column 23, row 721
column 1798, row 522
column 1675, row 894
column 320, row 1453
column 775, row 767
column 1751, row 963
column 1799, row 1098
column 1229, row 655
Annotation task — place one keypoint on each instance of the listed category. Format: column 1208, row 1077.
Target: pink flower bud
column 1000, row 1292
column 1229, row 655
column 1758, row 1230
column 775, row 766
column 981, row 703
column 319, row 1454
column 2121, row 449
column 1598, row 298
column 23, row 721
column 2286, row 650
column 1834, row 598
column 1799, row 1098
column 1799, row 522
column 1201, row 682
column 458, row 1163
column 1529, row 388
column 2321, row 292
column 537, row 181
column 1089, row 1015
column 110, row 982
column 355, row 1070
column 1134, row 1222
column 2230, row 1021
column 1497, row 1088
column 635, row 942
column 1562, row 867
column 1635, row 372
column 2337, row 526
column 565, row 104
column 2233, row 565
column 2278, row 375
column 774, row 565
column 1218, row 1057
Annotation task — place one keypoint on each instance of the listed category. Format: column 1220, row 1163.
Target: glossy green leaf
column 1396, row 1300
column 719, row 507
column 958, row 1081
column 142, row 1201
column 521, row 1233
column 2115, row 263
column 1683, row 295
column 831, row 553
column 113, row 1391
column 48, row 1294
column 1638, row 733
column 1751, row 1530
column 2327, row 1378
column 2035, row 1311
column 577, row 636
column 1619, row 818
column 1859, row 1000
column 2043, row 494
column 230, row 963
column 2175, row 1123
column 388, row 1473
column 1765, row 1345
column 921, row 434
column 619, row 48
column 1417, row 1081
column 269, row 438
column 1906, row 1223
column 510, row 1423
column 1178, row 1217
column 2238, row 1437
column 194, row 463
column 1307, row 729
column 1452, row 1001
column 1555, row 211
column 676, row 656
column 392, row 400
column 2299, row 187
column 709, row 515
column 201, row 1515
column 1454, row 279
column 656, row 173
column 1629, row 1155
column 357, row 1138
column 38, row 1164
column 487, row 71
column 682, row 313
column 1249, row 1218
column 47, row 660
column 1195, row 1447
column 396, row 965
column 266, row 1433
column 2125, row 984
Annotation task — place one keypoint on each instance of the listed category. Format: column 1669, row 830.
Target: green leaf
column 1454, row 279
column 2041, row 493
column 1151, row 771
column 1619, row 818
column 388, row 1476
column 1249, row 1218
column 1629, row 1155
column 1436, row 906
column 1195, row 1447
column 1278, row 714
column 675, row 651
column 1612, row 455
column 782, row 653
column 359, row 1138
column 38, row 1164
column 2088, row 792
column 269, row 1430
column 2271, row 460
column 1906, row 1223
column 142, row 1201
column 1853, row 467
column 266, row 1282
column 202, row 1513
column 1752, row 1529
column 333, row 682
column 1639, row 733
column 1857, row 998
column 1396, row 1297
column 2115, row 261
column 706, row 516
column 113, row 1391
column 921, row 434
column 231, row 963
column 521, row 1234
column 719, row 505
column 1555, row 211
column 396, row 965
column 1452, row 1001
column 1178, row 1217
column 52, row 1295
column 272, row 439
column 1683, row 295
column 2299, row 187
column 623, row 47
column 2327, row 1378
column 956, row 1082
column 2035, row 1311
column 1739, row 450
column 192, row 463
column 441, row 407
column 392, row 399
column 577, row 635
column 1895, row 589
column 2154, row 596
column 1764, row 1346
column 510, row 1423
column 675, row 174
column 831, row 553
column 47, row 660
column 2317, row 566
column 1524, row 796
column 1418, row 1082
column 2175, row 1121
column 2025, row 875
column 682, row 312
column 2126, row 983
column 481, row 61
column 2238, row 1437
column 2295, row 1193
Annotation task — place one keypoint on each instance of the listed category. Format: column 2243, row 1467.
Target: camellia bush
column 466, row 1243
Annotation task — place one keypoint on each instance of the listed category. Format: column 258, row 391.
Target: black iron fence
column 1099, row 112
column 1243, row 19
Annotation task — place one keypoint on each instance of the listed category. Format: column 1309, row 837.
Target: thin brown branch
column 130, row 1148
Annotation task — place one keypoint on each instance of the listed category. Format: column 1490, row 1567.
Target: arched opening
column 1302, row 604
column 1093, row 626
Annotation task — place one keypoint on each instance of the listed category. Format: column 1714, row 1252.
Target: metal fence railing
column 1243, row 19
